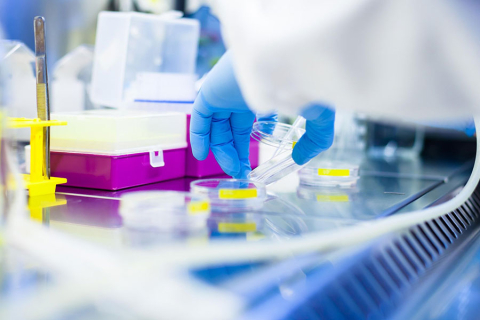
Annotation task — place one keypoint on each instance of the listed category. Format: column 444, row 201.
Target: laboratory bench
column 373, row 280
column 385, row 188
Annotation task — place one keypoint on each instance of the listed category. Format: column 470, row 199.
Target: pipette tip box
column 112, row 150
column 116, row 172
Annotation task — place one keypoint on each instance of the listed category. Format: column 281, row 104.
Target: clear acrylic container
column 162, row 91
column 131, row 46
column 276, row 135
column 395, row 141
column 17, row 63
column 329, row 173
column 231, row 194
column 164, row 211
column 71, row 79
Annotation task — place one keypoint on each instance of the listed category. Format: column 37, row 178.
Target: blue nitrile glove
column 318, row 135
column 221, row 121
column 466, row 125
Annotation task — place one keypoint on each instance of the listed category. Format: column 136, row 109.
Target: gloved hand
column 221, row 121
column 319, row 133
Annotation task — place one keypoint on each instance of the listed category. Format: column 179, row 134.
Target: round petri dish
column 329, row 174
column 277, row 135
column 231, row 194
column 164, row 211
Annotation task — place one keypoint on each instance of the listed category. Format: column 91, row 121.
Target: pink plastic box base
column 209, row 166
column 116, row 172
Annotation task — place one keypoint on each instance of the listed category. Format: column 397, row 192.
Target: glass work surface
column 290, row 210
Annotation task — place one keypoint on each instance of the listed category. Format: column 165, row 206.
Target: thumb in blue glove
column 319, row 133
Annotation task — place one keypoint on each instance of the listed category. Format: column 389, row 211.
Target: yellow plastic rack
column 36, row 183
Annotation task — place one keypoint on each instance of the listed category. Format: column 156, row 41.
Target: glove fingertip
column 232, row 171
column 200, row 147
column 227, row 159
column 244, row 171
column 200, row 155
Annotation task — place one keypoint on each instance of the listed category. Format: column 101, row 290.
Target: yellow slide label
column 235, row 194
column 334, row 172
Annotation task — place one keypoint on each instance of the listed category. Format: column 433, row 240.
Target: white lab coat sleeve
column 408, row 59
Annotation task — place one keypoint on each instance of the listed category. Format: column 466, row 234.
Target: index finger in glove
column 200, row 124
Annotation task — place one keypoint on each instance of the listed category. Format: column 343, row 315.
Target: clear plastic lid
column 115, row 132
column 328, row 173
column 231, row 194
column 164, row 211
column 277, row 135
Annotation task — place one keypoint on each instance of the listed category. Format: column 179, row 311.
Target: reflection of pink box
column 113, row 172
column 209, row 166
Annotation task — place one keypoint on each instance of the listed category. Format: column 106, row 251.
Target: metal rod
column 43, row 103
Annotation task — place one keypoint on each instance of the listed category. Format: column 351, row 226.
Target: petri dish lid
column 276, row 134
column 164, row 210
column 331, row 169
column 329, row 173
column 230, row 194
